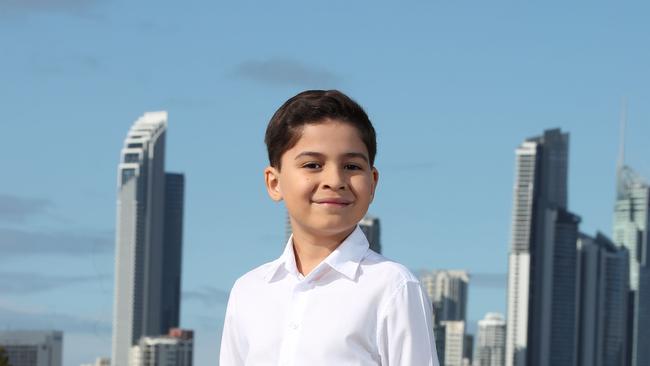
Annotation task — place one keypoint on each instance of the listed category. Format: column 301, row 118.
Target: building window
column 131, row 158
column 127, row 174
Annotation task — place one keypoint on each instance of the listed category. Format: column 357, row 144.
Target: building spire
column 620, row 164
column 621, row 147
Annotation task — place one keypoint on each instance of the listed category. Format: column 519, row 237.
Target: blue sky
column 452, row 88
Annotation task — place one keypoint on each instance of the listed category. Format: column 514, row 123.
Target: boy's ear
column 272, row 180
column 375, row 180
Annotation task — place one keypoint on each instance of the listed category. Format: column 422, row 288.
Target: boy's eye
column 352, row 167
column 312, row 166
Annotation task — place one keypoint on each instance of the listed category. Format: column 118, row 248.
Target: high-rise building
column 542, row 261
column 33, row 348
column 100, row 361
column 175, row 349
column 173, row 250
column 603, row 302
column 491, row 350
column 370, row 226
column 468, row 349
column 439, row 335
column 631, row 230
column 148, row 238
column 455, row 349
column 447, row 290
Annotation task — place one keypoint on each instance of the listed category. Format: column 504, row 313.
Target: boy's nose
column 334, row 179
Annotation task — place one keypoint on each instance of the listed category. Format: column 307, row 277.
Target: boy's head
column 321, row 148
column 313, row 107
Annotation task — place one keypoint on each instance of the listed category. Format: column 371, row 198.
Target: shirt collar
column 345, row 259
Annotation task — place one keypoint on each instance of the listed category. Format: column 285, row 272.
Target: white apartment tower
column 175, row 349
column 99, row 361
column 148, row 238
column 454, row 343
column 491, row 349
column 33, row 348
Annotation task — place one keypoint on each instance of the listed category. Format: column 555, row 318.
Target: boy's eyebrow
column 319, row 155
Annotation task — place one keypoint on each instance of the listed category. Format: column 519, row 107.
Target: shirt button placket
column 292, row 330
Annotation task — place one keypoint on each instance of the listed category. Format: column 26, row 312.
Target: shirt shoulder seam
column 394, row 294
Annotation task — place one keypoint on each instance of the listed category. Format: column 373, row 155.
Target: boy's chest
column 312, row 323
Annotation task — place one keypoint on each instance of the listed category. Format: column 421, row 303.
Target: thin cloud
column 283, row 72
column 478, row 279
column 489, row 280
column 16, row 319
column 188, row 102
column 14, row 242
column 27, row 283
column 149, row 26
column 409, row 167
column 92, row 63
column 208, row 296
column 16, row 7
column 54, row 66
column 208, row 324
column 18, row 209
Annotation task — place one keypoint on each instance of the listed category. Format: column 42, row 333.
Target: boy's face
column 326, row 179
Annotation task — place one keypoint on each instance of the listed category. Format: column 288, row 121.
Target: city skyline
column 574, row 299
column 126, row 166
column 451, row 88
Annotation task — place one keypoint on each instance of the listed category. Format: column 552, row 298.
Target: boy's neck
column 311, row 249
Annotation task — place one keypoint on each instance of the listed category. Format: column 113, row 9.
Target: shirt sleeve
column 230, row 353
column 405, row 332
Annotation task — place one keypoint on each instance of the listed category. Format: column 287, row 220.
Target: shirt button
column 293, row 325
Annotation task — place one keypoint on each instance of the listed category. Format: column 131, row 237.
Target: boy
column 328, row 300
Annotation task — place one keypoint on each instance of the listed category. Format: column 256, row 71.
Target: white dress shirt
column 355, row 308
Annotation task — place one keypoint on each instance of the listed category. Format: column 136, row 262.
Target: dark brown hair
column 315, row 106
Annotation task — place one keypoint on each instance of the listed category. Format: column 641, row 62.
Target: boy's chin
column 333, row 228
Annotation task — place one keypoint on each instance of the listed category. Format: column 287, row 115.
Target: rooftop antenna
column 620, row 164
column 621, row 146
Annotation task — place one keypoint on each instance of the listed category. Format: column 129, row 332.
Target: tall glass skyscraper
column 541, row 273
column 603, row 302
column 148, row 238
column 631, row 225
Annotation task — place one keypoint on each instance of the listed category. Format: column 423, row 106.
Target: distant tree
column 4, row 359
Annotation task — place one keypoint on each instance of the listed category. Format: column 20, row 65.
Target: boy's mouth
column 337, row 202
